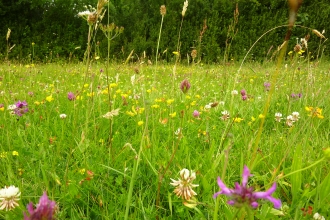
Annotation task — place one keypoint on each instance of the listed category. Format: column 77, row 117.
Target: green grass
column 127, row 159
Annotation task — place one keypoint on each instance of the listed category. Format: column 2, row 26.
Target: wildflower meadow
column 151, row 140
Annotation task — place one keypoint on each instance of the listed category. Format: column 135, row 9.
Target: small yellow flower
column 197, row 96
column 118, row 91
column 253, row 119
column 188, row 97
column 15, row 153
column 2, row 108
column 261, row 116
column 105, row 91
column 238, row 120
column 172, row 115
column 176, row 53
column 37, row 102
column 155, row 106
column 90, row 94
column 193, row 103
column 82, row 171
column 113, row 85
column 169, row 101
column 49, row 98
column 140, row 123
column 149, row 91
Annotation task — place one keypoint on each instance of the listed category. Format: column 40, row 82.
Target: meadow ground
column 105, row 145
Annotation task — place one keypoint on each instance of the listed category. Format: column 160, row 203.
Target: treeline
column 220, row 30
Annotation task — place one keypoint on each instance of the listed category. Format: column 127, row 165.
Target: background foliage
column 57, row 31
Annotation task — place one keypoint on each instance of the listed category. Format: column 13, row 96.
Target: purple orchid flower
column 243, row 194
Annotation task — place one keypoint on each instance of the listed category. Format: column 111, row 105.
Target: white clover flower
column 225, row 115
column 234, row 92
column 317, row 216
column 208, row 106
column 184, row 185
column 9, row 197
column 289, row 121
column 63, row 116
column 295, row 116
column 278, row 117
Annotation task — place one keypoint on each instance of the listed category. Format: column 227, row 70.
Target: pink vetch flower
column 185, row 86
column 242, row 194
column 45, row 209
column 71, row 96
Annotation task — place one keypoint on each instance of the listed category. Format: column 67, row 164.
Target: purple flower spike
column 185, row 86
column 243, row 194
column 71, row 96
column 45, row 209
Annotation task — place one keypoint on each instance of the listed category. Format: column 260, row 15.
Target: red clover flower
column 45, row 209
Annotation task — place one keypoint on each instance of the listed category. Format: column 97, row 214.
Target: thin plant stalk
column 160, row 33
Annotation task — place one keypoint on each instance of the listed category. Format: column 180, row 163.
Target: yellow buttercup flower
column 172, row 115
column 238, row 120
column 140, row 123
column 49, row 98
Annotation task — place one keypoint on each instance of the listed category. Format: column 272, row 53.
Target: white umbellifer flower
column 234, row 92
column 184, row 9
column 109, row 115
column 62, row 116
column 278, row 117
column 84, row 13
column 317, row 216
column 183, row 186
column 9, row 197
column 295, row 116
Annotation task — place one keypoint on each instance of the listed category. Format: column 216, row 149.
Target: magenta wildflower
column 267, row 86
column 45, row 209
column 71, row 96
column 21, row 108
column 244, row 97
column 243, row 92
column 242, row 194
column 185, row 86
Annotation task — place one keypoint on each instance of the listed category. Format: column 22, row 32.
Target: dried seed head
column 318, row 33
column 194, row 53
column 92, row 18
column 297, row 48
column 163, row 10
